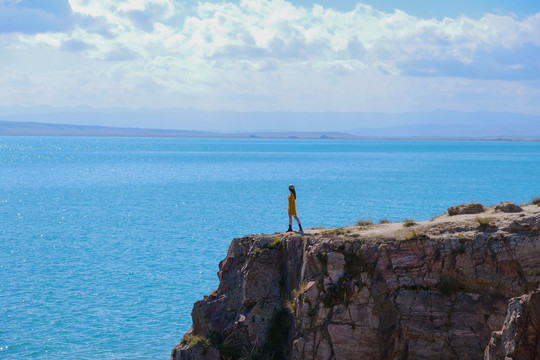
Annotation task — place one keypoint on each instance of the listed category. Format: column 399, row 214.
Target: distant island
column 18, row 128
column 183, row 122
column 14, row 128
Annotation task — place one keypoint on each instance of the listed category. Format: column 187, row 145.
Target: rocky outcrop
column 438, row 289
column 463, row 209
column 508, row 207
column 519, row 338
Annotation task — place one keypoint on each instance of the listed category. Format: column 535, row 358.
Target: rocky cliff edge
column 434, row 289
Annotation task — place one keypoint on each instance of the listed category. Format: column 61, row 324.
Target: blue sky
column 272, row 55
column 439, row 8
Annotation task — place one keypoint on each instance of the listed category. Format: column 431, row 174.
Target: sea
column 106, row 243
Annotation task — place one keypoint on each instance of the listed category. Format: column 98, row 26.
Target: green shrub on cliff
column 338, row 231
column 275, row 244
column 192, row 340
column 409, row 222
column 364, row 222
column 339, row 293
column 412, row 235
column 536, row 201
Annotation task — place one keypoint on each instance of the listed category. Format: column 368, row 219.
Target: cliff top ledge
column 490, row 219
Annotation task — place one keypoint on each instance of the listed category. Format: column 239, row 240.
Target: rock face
column 373, row 292
column 519, row 338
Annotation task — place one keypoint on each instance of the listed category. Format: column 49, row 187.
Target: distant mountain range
column 14, row 128
column 51, row 121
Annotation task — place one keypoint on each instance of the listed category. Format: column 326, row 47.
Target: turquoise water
column 105, row 243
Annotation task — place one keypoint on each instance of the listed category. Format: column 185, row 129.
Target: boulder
column 508, row 207
column 469, row 208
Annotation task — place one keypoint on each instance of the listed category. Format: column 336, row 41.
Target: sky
column 384, row 56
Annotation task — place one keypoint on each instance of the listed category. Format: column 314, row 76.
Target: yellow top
column 292, row 205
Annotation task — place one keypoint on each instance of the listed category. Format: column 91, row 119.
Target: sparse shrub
column 275, row 244
column 192, row 340
column 413, row 235
column 291, row 306
column 484, row 222
column 536, row 201
column 338, row 231
column 384, row 221
column 364, row 222
column 339, row 293
column 300, row 290
column 409, row 222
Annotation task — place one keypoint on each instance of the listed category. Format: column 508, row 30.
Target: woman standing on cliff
column 292, row 209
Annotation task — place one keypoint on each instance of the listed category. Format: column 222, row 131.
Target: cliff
column 434, row 289
column 519, row 338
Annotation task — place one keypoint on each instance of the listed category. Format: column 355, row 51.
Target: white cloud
column 262, row 54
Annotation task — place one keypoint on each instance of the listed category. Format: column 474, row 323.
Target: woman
column 292, row 209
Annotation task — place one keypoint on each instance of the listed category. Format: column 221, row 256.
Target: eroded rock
column 519, row 338
column 469, row 208
column 508, row 207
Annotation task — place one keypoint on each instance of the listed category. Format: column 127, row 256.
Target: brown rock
column 199, row 351
column 508, row 207
column 519, row 338
column 469, row 208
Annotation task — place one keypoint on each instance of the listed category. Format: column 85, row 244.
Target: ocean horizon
column 105, row 243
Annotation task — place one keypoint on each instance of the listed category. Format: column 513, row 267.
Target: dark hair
column 294, row 193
